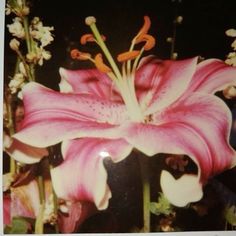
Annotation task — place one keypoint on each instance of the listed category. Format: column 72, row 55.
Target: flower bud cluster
column 231, row 57
column 30, row 37
column 230, row 91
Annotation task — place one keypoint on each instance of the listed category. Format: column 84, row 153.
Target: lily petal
column 175, row 138
column 160, row 83
column 25, row 153
column 56, row 116
column 181, row 191
column 211, row 76
column 90, row 81
column 211, row 119
column 88, row 182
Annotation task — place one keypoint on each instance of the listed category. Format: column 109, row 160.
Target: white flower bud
column 14, row 44
column 16, row 28
column 16, row 82
column 169, row 40
column 231, row 32
column 179, row 19
column 174, row 56
column 25, row 11
column 229, row 92
column 22, row 69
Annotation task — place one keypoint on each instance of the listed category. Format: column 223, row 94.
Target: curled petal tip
column 182, row 191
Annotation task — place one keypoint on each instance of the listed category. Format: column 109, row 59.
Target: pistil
column 128, row 94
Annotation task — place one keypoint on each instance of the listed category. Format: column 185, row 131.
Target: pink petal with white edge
column 211, row 76
column 90, row 81
column 56, row 117
column 181, row 191
column 89, row 181
column 160, row 83
column 210, row 118
column 25, row 153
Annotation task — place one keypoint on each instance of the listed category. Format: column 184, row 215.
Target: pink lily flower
column 157, row 107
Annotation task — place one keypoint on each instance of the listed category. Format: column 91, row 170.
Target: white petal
column 181, row 191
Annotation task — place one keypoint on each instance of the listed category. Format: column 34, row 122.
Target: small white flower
column 16, row 28
column 38, row 56
column 16, row 83
column 22, row 69
column 230, row 92
column 44, row 55
column 179, row 19
column 231, row 59
column 14, row 44
column 231, row 32
column 40, row 32
column 8, row 9
column 233, row 45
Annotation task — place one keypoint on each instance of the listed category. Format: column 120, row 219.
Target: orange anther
column 149, row 41
column 145, row 27
column 89, row 38
column 100, row 65
column 127, row 56
column 76, row 54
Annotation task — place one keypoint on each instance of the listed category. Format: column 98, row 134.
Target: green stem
column 146, row 192
column 27, row 68
column 11, row 128
column 105, row 50
column 30, row 46
column 172, row 50
column 55, row 205
column 39, row 225
column 27, row 35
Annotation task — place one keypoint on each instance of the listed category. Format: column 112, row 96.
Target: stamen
column 150, row 41
column 145, row 27
column 100, row 65
column 76, row 54
column 127, row 56
column 89, row 38
column 90, row 20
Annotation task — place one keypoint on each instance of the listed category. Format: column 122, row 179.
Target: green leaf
column 163, row 206
column 19, row 226
column 230, row 215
